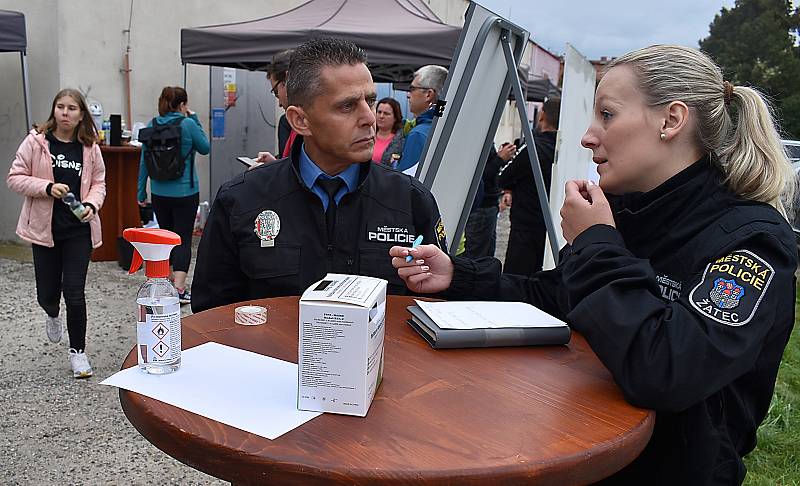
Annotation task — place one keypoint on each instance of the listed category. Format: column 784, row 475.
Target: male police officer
column 278, row 228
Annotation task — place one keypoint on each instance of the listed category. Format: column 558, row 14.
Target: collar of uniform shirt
column 310, row 172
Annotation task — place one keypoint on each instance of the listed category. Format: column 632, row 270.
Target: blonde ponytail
column 745, row 146
column 753, row 158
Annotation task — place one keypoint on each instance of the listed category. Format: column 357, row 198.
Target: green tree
column 754, row 43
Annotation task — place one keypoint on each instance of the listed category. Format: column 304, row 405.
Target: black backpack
column 162, row 150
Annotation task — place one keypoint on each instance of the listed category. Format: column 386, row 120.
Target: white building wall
column 544, row 64
column 81, row 43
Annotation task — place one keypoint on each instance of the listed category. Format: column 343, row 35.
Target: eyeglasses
column 275, row 88
column 412, row 88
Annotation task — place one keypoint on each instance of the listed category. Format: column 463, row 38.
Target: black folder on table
column 440, row 338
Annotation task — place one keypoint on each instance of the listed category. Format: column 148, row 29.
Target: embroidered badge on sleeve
column 732, row 288
column 441, row 235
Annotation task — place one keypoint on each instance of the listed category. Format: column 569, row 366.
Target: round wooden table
column 526, row 415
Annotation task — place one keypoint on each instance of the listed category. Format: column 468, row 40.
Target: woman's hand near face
column 585, row 205
column 430, row 269
column 58, row 190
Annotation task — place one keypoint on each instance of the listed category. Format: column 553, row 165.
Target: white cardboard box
column 340, row 345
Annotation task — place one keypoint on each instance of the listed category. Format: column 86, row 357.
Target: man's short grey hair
column 432, row 77
column 303, row 83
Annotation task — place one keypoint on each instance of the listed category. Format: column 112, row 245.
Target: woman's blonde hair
column 735, row 124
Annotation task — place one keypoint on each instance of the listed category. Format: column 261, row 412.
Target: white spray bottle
column 158, row 321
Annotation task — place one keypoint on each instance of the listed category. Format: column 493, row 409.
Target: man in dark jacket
column 276, row 77
column 277, row 229
column 526, row 241
column 481, row 229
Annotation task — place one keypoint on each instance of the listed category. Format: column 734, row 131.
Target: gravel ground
column 58, row 430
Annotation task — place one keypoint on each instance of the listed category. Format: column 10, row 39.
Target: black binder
column 440, row 338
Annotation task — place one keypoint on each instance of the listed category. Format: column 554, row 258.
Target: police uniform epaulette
column 748, row 214
column 236, row 180
column 415, row 183
column 254, row 172
column 745, row 220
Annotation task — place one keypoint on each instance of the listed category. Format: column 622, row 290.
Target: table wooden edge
column 119, row 148
column 584, row 468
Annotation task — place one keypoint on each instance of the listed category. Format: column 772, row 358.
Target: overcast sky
column 610, row 27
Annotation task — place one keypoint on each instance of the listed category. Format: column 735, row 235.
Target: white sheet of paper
column 481, row 315
column 249, row 391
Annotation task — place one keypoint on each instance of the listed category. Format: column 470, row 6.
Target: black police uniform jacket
column 689, row 303
column 387, row 208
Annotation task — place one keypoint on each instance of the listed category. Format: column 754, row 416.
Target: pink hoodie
column 32, row 171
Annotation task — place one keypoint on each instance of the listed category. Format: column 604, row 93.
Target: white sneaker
column 53, row 328
column 80, row 364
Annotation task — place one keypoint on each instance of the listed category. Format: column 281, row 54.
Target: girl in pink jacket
column 60, row 158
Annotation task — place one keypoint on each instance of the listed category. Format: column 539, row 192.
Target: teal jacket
column 193, row 139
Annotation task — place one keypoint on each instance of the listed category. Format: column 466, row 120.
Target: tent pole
column 184, row 75
column 532, row 155
column 211, row 181
column 26, row 90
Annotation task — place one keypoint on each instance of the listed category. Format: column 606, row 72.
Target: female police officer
column 682, row 278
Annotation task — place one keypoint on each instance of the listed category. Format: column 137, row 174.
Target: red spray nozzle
column 152, row 245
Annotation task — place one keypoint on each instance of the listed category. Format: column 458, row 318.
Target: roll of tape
column 250, row 315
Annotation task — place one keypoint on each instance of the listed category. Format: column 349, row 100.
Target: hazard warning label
column 160, row 349
column 158, row 332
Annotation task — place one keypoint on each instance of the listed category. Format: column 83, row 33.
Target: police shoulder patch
column 732, row 288
column 441, row 235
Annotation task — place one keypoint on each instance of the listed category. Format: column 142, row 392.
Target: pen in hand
column 417, row 242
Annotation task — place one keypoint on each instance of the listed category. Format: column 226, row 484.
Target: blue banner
column 218, row 123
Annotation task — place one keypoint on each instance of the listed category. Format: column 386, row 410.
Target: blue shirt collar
column 310, row 172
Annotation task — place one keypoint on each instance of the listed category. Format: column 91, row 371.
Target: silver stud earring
column 663, row 136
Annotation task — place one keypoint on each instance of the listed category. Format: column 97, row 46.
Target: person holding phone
column 276, row 76
column 526, row 240
column 481, row 229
